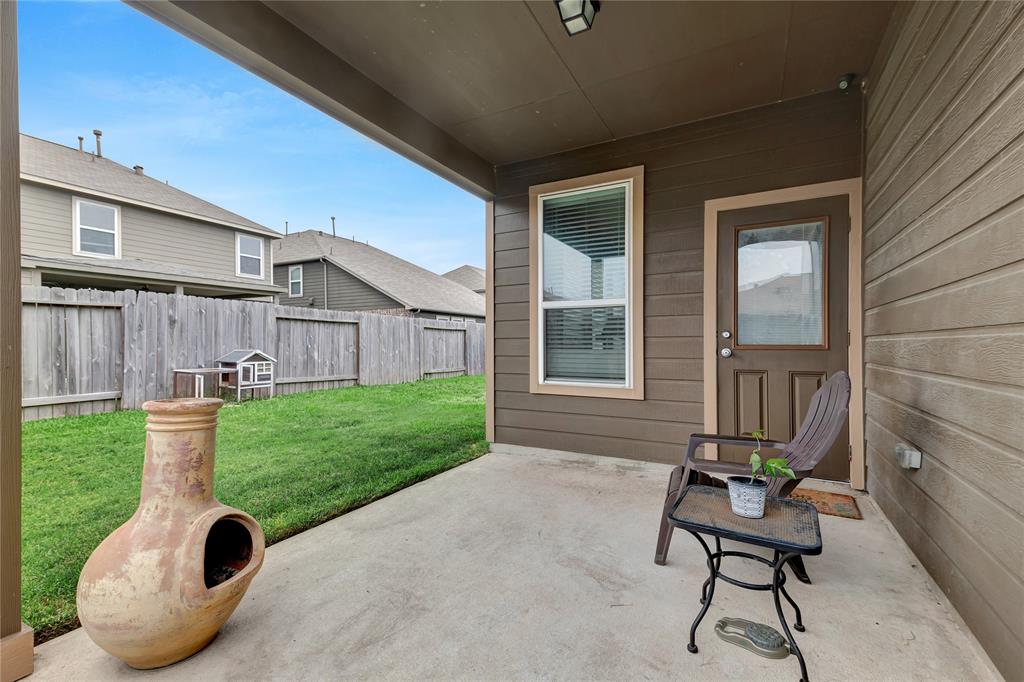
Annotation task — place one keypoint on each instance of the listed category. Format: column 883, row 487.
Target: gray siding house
column 334, row 273
column 87, row 221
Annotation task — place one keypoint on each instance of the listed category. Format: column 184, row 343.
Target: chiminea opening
column 228, row 551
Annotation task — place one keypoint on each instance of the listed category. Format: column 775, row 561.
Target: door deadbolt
column 725, row 352
column 726, row 334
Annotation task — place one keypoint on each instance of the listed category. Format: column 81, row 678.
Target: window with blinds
column 584, row 270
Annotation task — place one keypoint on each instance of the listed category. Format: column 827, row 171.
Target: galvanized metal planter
column 747, row 496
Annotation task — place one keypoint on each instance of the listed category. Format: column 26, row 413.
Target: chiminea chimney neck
column 99, row 150
column 137, row 169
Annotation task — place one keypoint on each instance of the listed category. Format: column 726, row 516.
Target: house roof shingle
column 50, row 163
column 409, row 284
column 468, row 276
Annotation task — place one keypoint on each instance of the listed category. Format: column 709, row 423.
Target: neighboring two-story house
column 334, row 273
column 87, row 221
column 469, row 276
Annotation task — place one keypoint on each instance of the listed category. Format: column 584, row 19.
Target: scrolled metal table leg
column 799, row 624
column 718, row 567
column 777, row 569
column 712, row 574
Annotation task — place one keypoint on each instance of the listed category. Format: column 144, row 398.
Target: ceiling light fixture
column 577, row 15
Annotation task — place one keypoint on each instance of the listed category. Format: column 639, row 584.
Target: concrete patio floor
column 534, row 565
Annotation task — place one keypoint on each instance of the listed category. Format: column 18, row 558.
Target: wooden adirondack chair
column 822, row 425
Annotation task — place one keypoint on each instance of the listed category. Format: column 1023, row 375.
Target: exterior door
column 782, row 319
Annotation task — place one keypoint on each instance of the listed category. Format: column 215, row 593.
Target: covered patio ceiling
column 461, row 87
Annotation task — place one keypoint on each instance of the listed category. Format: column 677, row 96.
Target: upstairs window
column 586, row 304
column 97, row 229
column 295, row 281
column 249, row 261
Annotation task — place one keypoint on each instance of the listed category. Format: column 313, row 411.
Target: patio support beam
column 489, row 322
column 262, row 41
column 15, row 637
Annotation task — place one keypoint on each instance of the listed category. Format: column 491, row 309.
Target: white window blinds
column 584, row 271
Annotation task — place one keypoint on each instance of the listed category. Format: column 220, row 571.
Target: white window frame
column 264, row 372
column 633, row 386
column 76, row 248
column 292, row 281
column 238, row 255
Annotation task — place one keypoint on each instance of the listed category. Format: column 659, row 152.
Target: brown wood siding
column 944, row 304
column 815, row 139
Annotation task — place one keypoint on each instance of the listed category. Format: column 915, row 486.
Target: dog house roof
column 244, row 354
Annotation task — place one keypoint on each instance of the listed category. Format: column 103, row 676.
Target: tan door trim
column 851, row 187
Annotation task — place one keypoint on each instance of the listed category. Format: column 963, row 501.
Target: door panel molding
column 853, row 189
column 802, row 385
column 751, row 400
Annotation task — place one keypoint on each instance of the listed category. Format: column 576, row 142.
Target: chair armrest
column 700, row 438
column 711, row 466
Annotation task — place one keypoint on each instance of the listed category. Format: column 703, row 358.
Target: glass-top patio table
column 789, row 528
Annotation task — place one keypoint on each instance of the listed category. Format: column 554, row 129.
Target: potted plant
column 747, row 493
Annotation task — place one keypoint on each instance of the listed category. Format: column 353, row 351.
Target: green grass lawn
column 292, row 462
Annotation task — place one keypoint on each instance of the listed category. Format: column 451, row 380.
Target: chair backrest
column 825, row 418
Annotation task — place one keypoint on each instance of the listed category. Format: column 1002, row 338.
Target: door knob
column 725, row 352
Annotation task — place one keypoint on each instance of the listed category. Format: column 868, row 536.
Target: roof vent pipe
column 333, row 231
column 99, row 150
column 81, row 144
column 138, row 169
column 286, row 228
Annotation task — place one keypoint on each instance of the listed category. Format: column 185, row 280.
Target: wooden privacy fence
column 88, row 351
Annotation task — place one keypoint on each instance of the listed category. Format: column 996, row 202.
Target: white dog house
column 254, row 370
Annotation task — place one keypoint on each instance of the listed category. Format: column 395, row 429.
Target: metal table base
column 789, row 528
column 777, row 586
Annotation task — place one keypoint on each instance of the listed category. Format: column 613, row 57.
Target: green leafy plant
column 775, row 467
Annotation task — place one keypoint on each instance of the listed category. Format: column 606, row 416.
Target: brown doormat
column 833, row 504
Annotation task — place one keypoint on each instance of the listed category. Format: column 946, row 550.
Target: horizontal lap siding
column 944, row 304
column 346, row 292
column 47, row 229
column 46, row 221
column 806, row 141
column 312, row 285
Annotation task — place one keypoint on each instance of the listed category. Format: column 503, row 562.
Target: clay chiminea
column 159, row 587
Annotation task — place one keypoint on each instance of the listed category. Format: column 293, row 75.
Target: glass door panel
column 782, row 284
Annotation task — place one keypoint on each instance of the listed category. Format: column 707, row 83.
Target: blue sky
column 213, row 129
